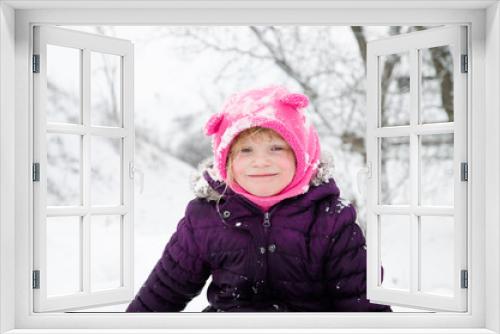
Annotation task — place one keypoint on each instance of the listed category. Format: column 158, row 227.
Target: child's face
column 263, row 165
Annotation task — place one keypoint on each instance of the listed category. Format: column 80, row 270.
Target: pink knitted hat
column 272, row 107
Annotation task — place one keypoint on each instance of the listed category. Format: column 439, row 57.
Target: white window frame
column 454, row 37
column 16, row 19
column 123, row 50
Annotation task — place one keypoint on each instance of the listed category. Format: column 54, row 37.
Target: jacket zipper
column 267, row 221
column 267, row 225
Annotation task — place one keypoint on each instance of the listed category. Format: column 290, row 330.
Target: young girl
column 268, row 223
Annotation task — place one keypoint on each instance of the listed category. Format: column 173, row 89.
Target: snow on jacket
column 307, row 253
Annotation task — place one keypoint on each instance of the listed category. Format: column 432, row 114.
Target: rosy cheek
column 237, row 167
column 286, row 160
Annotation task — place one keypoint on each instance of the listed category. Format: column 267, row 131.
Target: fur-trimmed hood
column 213, row 191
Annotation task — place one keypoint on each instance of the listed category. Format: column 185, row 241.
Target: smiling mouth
column 262, row 175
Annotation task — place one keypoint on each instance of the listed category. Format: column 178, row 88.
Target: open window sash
column 417, row 204
column 83, row 170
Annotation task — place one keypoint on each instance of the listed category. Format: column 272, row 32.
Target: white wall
column 492, row 151
column 7, row 158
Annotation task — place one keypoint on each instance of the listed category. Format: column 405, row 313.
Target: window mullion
column 85, row 236
column 414, row 172
column 128, row 143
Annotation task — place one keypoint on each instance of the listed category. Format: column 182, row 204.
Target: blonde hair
column 248, row 133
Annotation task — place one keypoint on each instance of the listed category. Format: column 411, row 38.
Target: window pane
column 106, row 170
column 105, row 249
column 394, row 170
column 395, row 251
column 63, row 169
column 394, row 92
column 436, row 79
column 106, row 89
column 63, row 84
column 437, row 244
column 63, row 255
column 436, row 170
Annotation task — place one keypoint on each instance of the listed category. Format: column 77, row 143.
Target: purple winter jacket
column 307, row 253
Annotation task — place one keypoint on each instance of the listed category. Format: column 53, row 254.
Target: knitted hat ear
column 213, row 124
column 295, row 100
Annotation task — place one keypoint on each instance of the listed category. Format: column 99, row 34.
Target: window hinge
column 36, row 279
column 36, row 63
column 464, row 279
column 464, row 171
column 36, row 172
column 465, row 66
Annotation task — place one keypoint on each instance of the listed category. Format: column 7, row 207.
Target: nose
column 260, row 160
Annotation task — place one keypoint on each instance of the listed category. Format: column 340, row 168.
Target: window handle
column 362, row 176
column 140, row 174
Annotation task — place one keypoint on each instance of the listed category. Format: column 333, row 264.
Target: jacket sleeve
column 346, row 267
column 178, row 276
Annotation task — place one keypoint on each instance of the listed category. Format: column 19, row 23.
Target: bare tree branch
column 359, row 35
